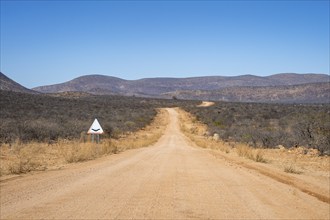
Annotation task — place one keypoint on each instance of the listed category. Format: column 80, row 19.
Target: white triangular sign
column 95, row 128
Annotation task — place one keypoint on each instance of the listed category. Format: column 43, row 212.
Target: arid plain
column 171, row 179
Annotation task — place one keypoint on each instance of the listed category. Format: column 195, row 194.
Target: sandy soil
column 172, row 179
column 205, row 104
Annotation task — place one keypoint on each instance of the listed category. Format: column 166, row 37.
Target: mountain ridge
column 8, row 84
column 156, row 86
column 283, row 87
column 302, row 93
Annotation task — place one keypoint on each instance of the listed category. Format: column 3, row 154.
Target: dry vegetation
column 268, row 125
column 196, row 132
column 44, row 118
column 21, row 157
column 38, row 131
column 305, row 93
column 296, row 160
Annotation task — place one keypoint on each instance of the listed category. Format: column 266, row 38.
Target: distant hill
column 156, row 86
column 8, row 84
column 248, row 88
column 85, row 84
column 280, row 88
column 297, row 79
column 304, row 93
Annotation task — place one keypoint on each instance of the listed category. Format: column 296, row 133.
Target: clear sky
column 48, row 42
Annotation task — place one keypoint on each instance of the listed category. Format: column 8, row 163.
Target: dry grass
column 291, row 168
column 22, row 158
column 256, row 155
column 79, row 152
column 244, row 151
column 19, row 158
column 290, row 161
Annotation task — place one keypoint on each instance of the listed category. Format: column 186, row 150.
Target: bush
column 47, row 118
column 268, row 125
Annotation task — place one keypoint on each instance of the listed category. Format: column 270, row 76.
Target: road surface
column 169, row 180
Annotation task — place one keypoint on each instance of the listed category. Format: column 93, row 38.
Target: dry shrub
column 48, row 119
column 268, row 125
column 259, row 157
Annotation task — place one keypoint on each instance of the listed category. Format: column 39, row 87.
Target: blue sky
column 47, row 42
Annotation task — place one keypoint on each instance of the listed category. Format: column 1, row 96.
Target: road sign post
column 95, row 129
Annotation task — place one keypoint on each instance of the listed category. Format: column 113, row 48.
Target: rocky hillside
column 8, row 84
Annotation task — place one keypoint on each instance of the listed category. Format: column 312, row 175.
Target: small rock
column 216, row 137
column 281, row 147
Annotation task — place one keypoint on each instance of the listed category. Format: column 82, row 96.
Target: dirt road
column 170, row 180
